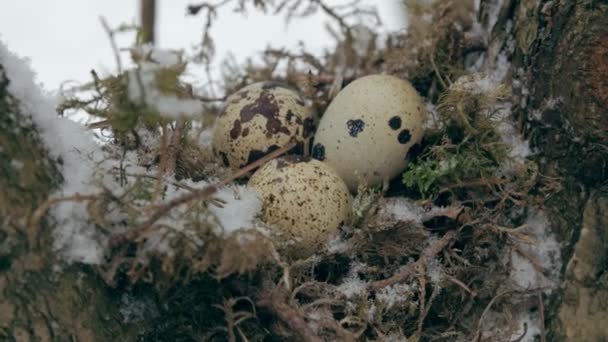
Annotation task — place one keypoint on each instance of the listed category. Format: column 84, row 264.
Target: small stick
column 110, row 34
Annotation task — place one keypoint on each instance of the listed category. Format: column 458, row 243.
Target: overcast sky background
column 65, row 40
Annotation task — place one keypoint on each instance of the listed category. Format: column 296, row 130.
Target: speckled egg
column 259, row 119
column 304, row 200
column 368, row 129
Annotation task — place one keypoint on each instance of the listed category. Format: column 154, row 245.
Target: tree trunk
column 39, row 301
column 561, row 63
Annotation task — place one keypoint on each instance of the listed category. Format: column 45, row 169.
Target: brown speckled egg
column 368, row 129
column 259, row 119
column 304, row 200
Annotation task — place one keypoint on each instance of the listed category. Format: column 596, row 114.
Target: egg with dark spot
column 259, row 118
column 306, row 207
column 368, row 128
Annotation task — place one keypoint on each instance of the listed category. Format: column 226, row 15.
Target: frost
column 65, row 140
column 545, row 251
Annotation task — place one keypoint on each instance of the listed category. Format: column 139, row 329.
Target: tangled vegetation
column 426, row 260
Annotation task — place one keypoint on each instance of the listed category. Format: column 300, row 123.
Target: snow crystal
column 64, row 139
column 544, row 249
column 241, row 206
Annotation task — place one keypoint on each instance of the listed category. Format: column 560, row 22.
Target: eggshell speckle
column 368, row 129
column 304, row 200
column 259, row 119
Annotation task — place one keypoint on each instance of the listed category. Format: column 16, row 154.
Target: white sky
column 65, row 39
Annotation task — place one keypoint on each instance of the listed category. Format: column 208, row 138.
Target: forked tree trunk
column 560, row 68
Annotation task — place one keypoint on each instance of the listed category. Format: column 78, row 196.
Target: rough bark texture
column 561, row 62
column 39, row 301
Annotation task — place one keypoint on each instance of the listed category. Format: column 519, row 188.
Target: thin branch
column 110, row 34
column 205, row 192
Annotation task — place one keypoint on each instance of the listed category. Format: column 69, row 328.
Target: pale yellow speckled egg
column 368, row 129
column 259, row 119
column 304, row 201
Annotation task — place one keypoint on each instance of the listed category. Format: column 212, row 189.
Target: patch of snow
column 338, row 245
column 134, row 310
column 205, row 137
column 142, row 87
column 544, row 249
column 353, row 286
column 519, row 149
column 371, row 312
column 394, row 294
column 402, row 209
column 16, row 164
column 395, row 337
column 433, row 118
column 435, row 271
column 511, row 326
column 241, row 205
column 528, row 324
column 65, row 140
